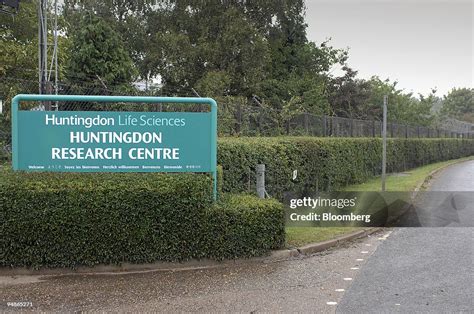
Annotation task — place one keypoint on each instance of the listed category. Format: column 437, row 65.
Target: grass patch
column 406, row 181
column 298, row 236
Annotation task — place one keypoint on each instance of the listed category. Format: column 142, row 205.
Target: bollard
column 261, row 180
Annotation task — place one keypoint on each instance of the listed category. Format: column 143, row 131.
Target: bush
column 243, row 225
column 72, row 219
column 325, row 163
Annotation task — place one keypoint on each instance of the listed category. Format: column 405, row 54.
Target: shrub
column 72, row 219
column 325, row 163
column 243, row 225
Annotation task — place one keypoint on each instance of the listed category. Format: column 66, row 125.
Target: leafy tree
column 349, row 96
column 185, row 44
column 127, row 17
column 98, row 56
column 402, row 107
column 18, row 43
column 459, row 104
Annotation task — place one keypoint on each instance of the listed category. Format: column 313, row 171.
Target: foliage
column 19, row 42
column 238, row 49
column 68, row 220
column 402, row 107
column 459, row 104
column 325, row 163
column 348, row 95
column 244, row 226
column 19, row 52
column 98, row 55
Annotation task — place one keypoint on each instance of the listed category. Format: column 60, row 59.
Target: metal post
column 306, row 122
column 324, row 126
column 261, row 180
column 238, row 124
column 384, row 141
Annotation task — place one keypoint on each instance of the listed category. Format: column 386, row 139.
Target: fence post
column 351, row 127
column 325, row 122
column 49, row 90
column 261, row 180
column 406, row 130
column 306, row 123
column 373, row 128
column 333, row 133
column 238, row 125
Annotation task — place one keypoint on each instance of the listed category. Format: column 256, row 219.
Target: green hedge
column 71, row 219
column 325, row 163
column 243, row 225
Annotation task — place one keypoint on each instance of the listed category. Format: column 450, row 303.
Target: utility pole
column 45, row 85
column 384, row 141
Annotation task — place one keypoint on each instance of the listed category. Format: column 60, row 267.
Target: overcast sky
column 420, row 43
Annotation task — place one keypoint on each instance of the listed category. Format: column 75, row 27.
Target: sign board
column 101, row 141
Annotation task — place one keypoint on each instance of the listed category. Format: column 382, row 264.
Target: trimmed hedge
column 72, row 219
column 325, row 163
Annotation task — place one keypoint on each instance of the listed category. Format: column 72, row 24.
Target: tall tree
column 186, row 42
column 459, row 104
column 127, row 17
column 349, row 96
column 97, row 55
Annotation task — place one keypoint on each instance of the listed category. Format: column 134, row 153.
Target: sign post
column 105, row 141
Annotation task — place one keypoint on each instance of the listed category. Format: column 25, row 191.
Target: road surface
column 400, row 270
column 423, row 270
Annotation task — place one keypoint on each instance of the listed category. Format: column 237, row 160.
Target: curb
column 127, row 268
column 321, row 246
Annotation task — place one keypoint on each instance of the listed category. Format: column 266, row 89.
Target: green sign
column 96, row 141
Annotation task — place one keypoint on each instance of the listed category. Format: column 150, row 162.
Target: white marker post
column 384, row 141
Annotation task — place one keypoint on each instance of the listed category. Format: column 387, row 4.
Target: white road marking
column 354, row 268
column 347, row 279
column 359, row 259
column 365, row 252
column 331, row 303
column 368, row 244
column 340, row 290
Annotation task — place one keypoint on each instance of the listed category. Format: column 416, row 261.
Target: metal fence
column 236, row 115
column 256, row 121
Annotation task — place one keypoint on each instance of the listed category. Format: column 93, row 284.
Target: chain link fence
column 246, row 120
column 237, row 116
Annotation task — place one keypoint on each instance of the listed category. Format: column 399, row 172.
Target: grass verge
column 406, row 181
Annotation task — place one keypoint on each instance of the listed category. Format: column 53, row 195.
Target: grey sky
column 420, row 43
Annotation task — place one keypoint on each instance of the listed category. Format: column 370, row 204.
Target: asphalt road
column 423, row 270
column 407, row 270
